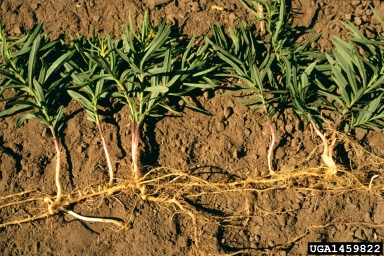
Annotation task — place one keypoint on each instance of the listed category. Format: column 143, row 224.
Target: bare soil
column 276, row 216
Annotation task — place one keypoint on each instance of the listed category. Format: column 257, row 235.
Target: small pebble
column 117, row 117
column 347, row 146
column 348, row 16
column 363, row 52
column 232, row 17
column 327, row 11
column 369, row 32
column 289, row 128
column 17, row 30
column 228, row 112
column 220, row 126
column 21, row 174
column 206, row 95
column 247, row 132
column 359, row 11
column 235, row 154
column 233, row 6
column 365, row 18
column 358, row 21
column 96, row 18
column 194, row 6
column 44, row 133
column 368, row 12
column 337, row 29
column 355, row 2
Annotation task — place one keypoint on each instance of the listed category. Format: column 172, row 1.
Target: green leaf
column 169, row 108
column 39, row 93
column 4, row 51
column 157, row 42
column 11, row 77
column 34, row 34
column 57, row 64
column 14, row 109
column 32, row 60
column 80, row 98
column 25, row 102
column 58, row 116
column 20, row 120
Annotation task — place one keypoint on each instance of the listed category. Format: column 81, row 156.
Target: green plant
column 31, row 68
column 148, row 68
column 280, row 32
column 256, row 77
column 352, row 98
column 85, row 75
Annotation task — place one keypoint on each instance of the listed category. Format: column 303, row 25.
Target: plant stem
column 270, row 150
column 58, row 162
column 135, row 148
column 135, row 159
column 328, row 149
column 111, row 175
column 260, row 9
column 53, row 205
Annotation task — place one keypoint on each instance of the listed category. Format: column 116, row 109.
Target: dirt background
column 228, row 143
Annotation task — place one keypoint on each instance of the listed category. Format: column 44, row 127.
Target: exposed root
column 28, row 219
column 176, row 188
column 327, row 155
column 93, row 219
column 270, row 150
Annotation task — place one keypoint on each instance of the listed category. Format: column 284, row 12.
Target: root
column 93, row 219
column 28, row 219
column 270, row 150
column 327, row 155
column 176, row 188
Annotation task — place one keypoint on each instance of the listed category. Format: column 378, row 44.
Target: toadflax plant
column 147, row 68
column 281, row 41
column 85, row 76
column 31, row 69
column 255, row 77
column 352, row 99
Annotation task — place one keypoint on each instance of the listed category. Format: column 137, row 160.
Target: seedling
column 306, row 103
column 279, row 30
column 31, row 69
column 148, row 68
column 85, row 76
column 256, row 77
column 353, row 100
column 275, row 20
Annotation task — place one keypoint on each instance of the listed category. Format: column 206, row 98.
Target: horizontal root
column 94, row 219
